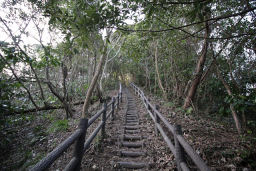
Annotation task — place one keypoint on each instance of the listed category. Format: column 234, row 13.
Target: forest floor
column 215, row 140
column 28, row 138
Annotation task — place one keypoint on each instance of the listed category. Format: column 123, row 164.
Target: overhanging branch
column 188, row 25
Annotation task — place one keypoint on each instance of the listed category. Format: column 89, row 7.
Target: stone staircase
column 132, row 154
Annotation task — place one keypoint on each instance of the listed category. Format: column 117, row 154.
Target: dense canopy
column 197, row 55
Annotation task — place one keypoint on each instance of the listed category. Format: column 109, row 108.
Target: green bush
column 59, row 125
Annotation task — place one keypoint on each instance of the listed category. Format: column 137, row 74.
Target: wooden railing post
column 148, row 106
column 113, row 108
column 118, row 101
column 180, row 157
column 79, row 146
column 121, row 95
column 103, row 133
column 157, row 120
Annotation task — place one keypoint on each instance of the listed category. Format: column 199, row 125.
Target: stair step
column 132, row 123
column 131, row 127
column 131, row 165
column 131, row 111
column 131, row 131
column 132, row 153
column 132, row 144
column 131, row 137
column 131, row 107
column 129, row 116
column 132, row 120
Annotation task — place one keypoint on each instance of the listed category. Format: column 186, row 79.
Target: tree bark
column 94, row 80
column 108, row 60
column 233, row 111
column 158, row 75
column 49, row 84
column 199, row 70
column 65, row 92
column 55, row 92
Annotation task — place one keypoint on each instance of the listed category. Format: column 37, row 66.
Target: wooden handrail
column 46, row 162
column 181, row 144
column 79, row 136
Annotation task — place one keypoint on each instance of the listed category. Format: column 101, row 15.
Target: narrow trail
column 131, row 143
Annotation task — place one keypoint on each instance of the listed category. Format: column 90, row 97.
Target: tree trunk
column 199, row 70
column 158, row 75
column 108, row 60
column 99, row 92
column 155, row 83
column 65, row 93
column 55, row 92
column 93, row 82
column 233, row 111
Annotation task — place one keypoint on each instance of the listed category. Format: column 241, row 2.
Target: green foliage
column 39, row 130
column 58, row 125
column 224, row 111
column 50, row 116
column 52, row 99
column 169, row 104
column 9, row 88
column 94, row 99
column 189, row 110
column 179, row 109
column 11, row 54
column 241, row 103
column 248, row 158
column 86, row 86
column 48, row 56
column 8, row 91
column 158, row 25
column 251, row 124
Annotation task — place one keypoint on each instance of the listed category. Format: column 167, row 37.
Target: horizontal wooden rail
column 92, row 136
column 56, row 153
column 79, row 136
column 181, row 146
column 94, row 117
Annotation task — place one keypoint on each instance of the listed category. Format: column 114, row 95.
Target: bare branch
column 191, row 24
